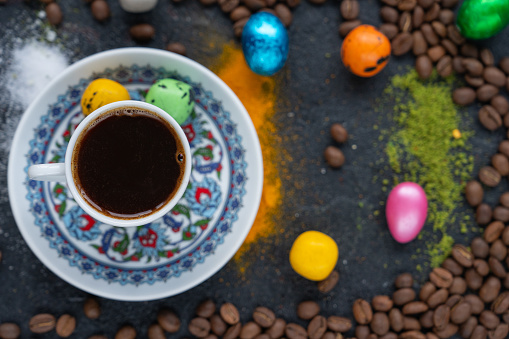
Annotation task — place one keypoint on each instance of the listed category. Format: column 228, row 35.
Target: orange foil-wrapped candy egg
column 365, row 51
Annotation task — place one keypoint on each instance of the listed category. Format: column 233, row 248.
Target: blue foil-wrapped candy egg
column 265, row 43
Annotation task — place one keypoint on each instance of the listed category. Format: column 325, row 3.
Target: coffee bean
column 329, row 283
column 334, row 157
column 474, row 280
column 469, row 51
column 402, row 43
column 452, row 266
column 446, row 16
column 494, row 76
column 404, row 280
column 405, row 22
column 483, row 214
column 233, row 331
column 490, row 289
column 403, row 296
column 461, row 312
column 362, row 331
column 412, row 335
column 382, row 303
column 501, row 303
column 284, row 14
column 479, row 332
column 481, row 267
column 264, row 316
column 240, row 12
column 307, row 310
column 255, row 5
column 330, row 335
column 420, row 46
column 389, row 30
column 436, row 52
column 459, row 286
column 415, row 307
column 217, row 325
column 486, row 93
column 389, row 14
column 444, row 66
column 474, row 193
column 426, row 319
column 126, row 332
column 168, row 320
column 349, row 9
column 229, row 313
column 277, row 330
column 489, row 319
column 487, row 174
column 426, row 291
column 505, row 233
column 441, row 317
column 454, row 35
column 206, row 309
column 362, row 311
column 317, row 327
column 208, row 2
column 176, row 47
column 463, row 96
column 423, row 66
column 42, row 323
column 501, row 213
column 453, row 300
column 448, row 331
column 441, row 277
column 473, row 66
column 228, row 5
column 425, row 3
column 338, row 133
column 429, row 34
column 450, row 47
column 392, row 3
column 439, row 29
column 250, row 330
column 407, row 5
column 396, row 320
column 467, row 327
column 501, row 104
column 347, row 26
column 238, row 27
column 500, row 332
column 100, row 10
column 199, row 327
column 155, row 332
column 432, row 13
column 411, row 324
column 9, row 331
column 91, row 308
column 492, row 232
column 65, row 325
column 462, row 255
column 142, row 32
column 449, row 3
column 389, row 335
column 487, row 57
column 54, row 14
column 417, row 17
column 437, row 298
column 339, row 324
column 501, row 163
column 294, row 331
column 498, row 250
column 504, row 65
column 457, row 66
column 505, row 317
column 380, row 323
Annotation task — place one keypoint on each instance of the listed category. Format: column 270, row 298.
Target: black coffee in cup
column 128, row 163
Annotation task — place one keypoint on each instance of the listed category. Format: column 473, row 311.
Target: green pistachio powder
column 421, row 148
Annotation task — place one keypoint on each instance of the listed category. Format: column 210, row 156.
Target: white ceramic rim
column 126, row 222
column 223, row 253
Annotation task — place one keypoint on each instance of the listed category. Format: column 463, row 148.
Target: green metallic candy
column 481, row 19
column 174, row 97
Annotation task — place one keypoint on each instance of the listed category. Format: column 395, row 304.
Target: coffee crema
column 128, row 163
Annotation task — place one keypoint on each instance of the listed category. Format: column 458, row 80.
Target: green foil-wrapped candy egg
column 481, row 19
column 174, row 97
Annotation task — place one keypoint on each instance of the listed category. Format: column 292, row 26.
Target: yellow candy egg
column 314, row 255
column 101, row 92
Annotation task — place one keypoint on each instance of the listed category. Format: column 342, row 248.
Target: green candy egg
column 173, row 96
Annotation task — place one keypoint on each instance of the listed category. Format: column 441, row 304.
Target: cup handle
column 47, row 172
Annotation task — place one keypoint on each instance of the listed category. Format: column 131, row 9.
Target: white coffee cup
column 63, row 172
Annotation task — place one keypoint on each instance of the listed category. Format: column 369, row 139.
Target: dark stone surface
column 369, row 258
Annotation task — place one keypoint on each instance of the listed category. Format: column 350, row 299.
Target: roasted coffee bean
column 449, row 3
column 454, row 35
column 487, row 174
column 238, row 27
column 437, row 298
column 404, row 280
column 479, row 332
column 402, row 43
column 498, row 250
column 349, row 9
column 233, row 332
column 487, row 57
column 389, row 30
column 330, row 282
column 505, row 233
column 501, row 104
column 492, row 232
column 415, row 307
column 412, row 335
column 362, row 332
column 396, row 320
column 255, row 5
column 446, row 16
column 503, row 148
column 461, row 312
column 392, row 3
column 317, row 327
column 505, row 317
column 501, row 213
column 389, row 14
column 126, row 332
column 441, row 317
column 417, row 17
column 459, row 286
column 240, row 12
column 474, row 81
column 403, row 296
column 228, row 5
column 339, row 133
column 423, row 66
column 463, row 96
column 481, row 267
column 307, row 310
column 467, row 327
column 206, row 309
column 380, row 323
column 462, row 255
column 432, row 13
column 420, row 46
column 54, row 14
column 382, row 303
column 208, row 2
column 473, row 66
column 250, row 330
column 426, row 291
column 497, row 267
column 450, row 47
column 477, row 305
column 441, row 277
column 199, row 327
column 490, row 289
column 217, row 325
column 426, row 319
column 100, row 10
column 284, row 14
column 91, row 308
column 494, row 76
column 474, row 193
column 334, row 157
column 501, row 163
column 411, row 324
column 407, row 5
column 229, row 313
column 295, row 331
column 439, row 29
column 389, row 335
column 483, row 214
column 500, row 332
column 486, row 92
column 168, row 320
column 176, row 47
column 453, row 300
column 277, row 330
column 330, row 335
column 452, row 266
column 444, row 66
column 506, row 122
column 347, row 26
column 264, row 316
column 436, row 52
column 9, row 331
column 504, row 65
column 155, row 332
column 448, row 331
column 339, row 324
column 405, row 22
column 489, row 319
column 457, row 66
column 469, row 51
column 362, row 311
column 429, row 34
column 42, row 323
column 142, row 32
column 501, row 303
column 65, row 325
column 474, row 280
column 425, row 3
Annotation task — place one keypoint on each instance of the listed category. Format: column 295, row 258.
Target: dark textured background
column 312, row 200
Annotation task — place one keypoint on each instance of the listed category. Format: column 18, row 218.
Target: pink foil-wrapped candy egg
column 406, row 211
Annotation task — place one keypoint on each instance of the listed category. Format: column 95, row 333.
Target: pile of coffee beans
column 333, row 155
